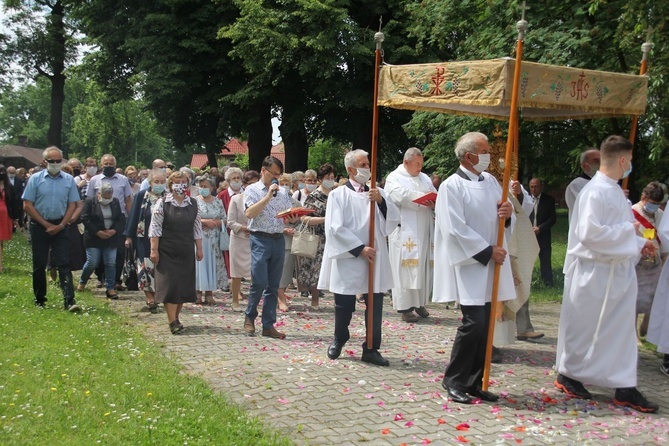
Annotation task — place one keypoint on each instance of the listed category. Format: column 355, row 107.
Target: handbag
column 224, row 239
column 305, row 242
column 129, row 272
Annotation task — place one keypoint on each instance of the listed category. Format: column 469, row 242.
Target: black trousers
column 344, row 308
column 59, row 244
column 545, row 265
column 465, row 371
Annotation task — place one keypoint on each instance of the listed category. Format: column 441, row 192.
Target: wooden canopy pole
column 521, row 26
column 378, row 37
column 645, row 49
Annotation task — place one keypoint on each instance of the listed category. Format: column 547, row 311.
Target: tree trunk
column 56, row 36
column 260, row 134
column 295, row 142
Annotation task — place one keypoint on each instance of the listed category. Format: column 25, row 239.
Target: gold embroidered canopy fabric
column 483, row 88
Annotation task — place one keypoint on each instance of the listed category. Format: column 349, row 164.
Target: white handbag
column 305, row 242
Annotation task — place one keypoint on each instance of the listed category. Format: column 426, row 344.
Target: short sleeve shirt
column 120, row 184
column 266, row 220
column 51, row 195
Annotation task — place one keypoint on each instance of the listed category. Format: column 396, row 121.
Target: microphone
column 274, row 181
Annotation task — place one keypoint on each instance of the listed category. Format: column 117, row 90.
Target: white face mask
column 311, row 187
column 105, row 201
column 54, row 168
column 286, row 188
column 484, row 162
column 328, row 184
column 363, row 175
column 91, row 171
column 235, row 185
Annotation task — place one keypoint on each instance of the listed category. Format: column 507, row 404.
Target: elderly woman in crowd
column 10, row 204
column 240, row 242
column 309, row 269
column 133, row 179
column 103, row 224
column 137, row 234
column 233, row 177
column 289, row 258
column 172, row 252
column 310, row 185
column 296, row 181
column 210, row 273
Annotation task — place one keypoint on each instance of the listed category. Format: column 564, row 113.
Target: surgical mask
column 105, row 201
column 162, row 169
column 204, row 191
column 236, row 185
column 179, row 188
column 286, row 188
column 109, row 171
column 363, row 175
column 132, row 180
column 651, row 207
column 158, row 189
column 328, row 184
column 311, row 187
column 484, row 162
column 11, row 177
column 91, row 171
column 300, row 185
column 593, row 169
column 53, row 168
column 76, row 172
column 628, row 171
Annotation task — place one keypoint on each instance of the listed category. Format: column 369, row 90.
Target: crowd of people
column 193, row 236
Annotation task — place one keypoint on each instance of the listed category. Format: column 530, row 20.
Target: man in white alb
column 590, row 160
column 411, row 244
column 597, row 336
column 468, row 210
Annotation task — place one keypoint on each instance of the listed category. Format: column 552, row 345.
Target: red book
column 430, row 196
column 298, row 211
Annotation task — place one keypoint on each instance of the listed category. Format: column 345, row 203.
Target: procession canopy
column 483, row 88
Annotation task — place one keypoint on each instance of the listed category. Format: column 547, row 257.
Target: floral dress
column 309, row 269
column 210, row 273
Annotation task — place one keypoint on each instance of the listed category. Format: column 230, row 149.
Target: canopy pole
column 521, row 26
column 645, row 49
column 378, row 37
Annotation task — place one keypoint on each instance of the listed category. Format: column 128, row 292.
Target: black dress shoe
column 334, row 350
column 456, row 395
column 478, row 392
column 374, row 357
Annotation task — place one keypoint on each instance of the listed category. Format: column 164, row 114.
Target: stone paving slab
column 295, row 388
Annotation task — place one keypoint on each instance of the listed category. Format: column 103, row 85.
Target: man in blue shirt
column 263, row 201
column 50, row 199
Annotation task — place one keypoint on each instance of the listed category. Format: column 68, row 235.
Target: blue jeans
column 93, row 256
column 266, row 267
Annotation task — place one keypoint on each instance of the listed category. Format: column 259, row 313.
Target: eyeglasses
column 274, row 174
column 54, row 161
column 170, row 166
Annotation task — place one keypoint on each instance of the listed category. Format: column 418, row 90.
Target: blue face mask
column 158, row 189
column 651, row 207
column 205, row 192
column 628, row 171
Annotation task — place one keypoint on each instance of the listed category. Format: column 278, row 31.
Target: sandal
column 153, row 307
column 111, row 295
column 176, row 327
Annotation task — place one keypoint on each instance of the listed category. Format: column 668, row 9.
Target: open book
column 430, row 196
column 298, row 211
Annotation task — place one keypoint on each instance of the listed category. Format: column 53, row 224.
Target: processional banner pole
column 378, row 38
column 645, row 49
column 521, row 26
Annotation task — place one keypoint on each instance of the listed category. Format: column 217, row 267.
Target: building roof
column 278, row 151
column 199, row 160
column 234, row 147
column 32, row 155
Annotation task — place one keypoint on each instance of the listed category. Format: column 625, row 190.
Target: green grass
column 539, row 291
column 94, row 378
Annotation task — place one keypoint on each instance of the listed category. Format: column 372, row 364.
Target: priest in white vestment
column 596, row 337
column 468, row 210
column 590, row 160
column 411, row 245
column 347, row 254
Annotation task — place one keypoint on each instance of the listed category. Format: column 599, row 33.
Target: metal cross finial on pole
column 523, row 8
column 646, row 46
column 522, row 24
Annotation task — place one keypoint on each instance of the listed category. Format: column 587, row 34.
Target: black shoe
column 456, row 395
column 631, row 397
column 334, row 350
column 497, row 355
column 478, row 392
column 664, row 368
column 321, row 294
column 572, row 387
column 374, row 357
column 304, row 294
column 40, row 303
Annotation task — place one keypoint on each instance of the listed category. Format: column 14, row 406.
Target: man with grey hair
column 50, row 199
column 157, row 164
column 347, row 254
column 467, row 211
column 590, row 160
column 411, row 244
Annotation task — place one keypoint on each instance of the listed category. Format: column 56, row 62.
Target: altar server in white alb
column 468, row 210
column 347, row 254
column 597, row 337
column 411, row 245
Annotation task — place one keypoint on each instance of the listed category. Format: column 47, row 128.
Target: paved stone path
column 294, row 387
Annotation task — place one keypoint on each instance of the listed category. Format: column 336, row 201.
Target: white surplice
column 466, row 224
column 596, row 337
column 346, row 228
column 573, row 189
column 411, row 244
column 658, row 326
